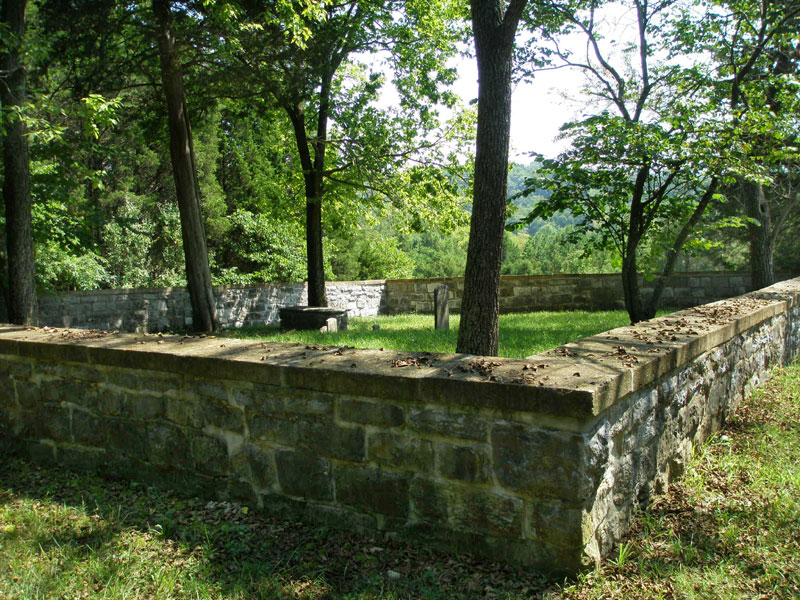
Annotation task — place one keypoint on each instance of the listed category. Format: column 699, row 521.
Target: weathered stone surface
column 324, row 439
column 256, row 464
column 464, row 463
column 273, row 428
column 449, row 424
column 381, row 414
column 556, row 524
column 441, row 307
column 143, row 407
column 486, row 512
column 429, row 499
column 539, row 463
column 128, row 437
column 401, row 452
column 167, row 445
column 304, row 475
column 210, row 454
column 88, row 429
column 372, row 490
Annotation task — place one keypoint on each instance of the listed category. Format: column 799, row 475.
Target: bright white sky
column 538, row 108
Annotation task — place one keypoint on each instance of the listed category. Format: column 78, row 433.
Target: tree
column 494, row 26
column 198, row 274
column 755, row 45
column 644, row 170
column 322, row 87
column 22, row 306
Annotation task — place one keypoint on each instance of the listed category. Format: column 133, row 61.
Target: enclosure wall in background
column 540, row 461
column 160, row 309
column 524, row 293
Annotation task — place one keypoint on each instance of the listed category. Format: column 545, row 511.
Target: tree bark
column 313, row 169
column 762, row 246
column 22, row 305
column 195, row 250
column 674, row 251
column 636, row 228
column 494, row 30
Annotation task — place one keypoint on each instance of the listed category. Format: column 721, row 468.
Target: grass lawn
column 729, row 529
column 521, row 334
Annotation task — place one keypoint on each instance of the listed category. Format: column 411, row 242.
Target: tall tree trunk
column 762, row 247
column 494, row 30
column 631, row 290
column 636, row 228
column 313, row 168
column 22, row 306
column 195, row 250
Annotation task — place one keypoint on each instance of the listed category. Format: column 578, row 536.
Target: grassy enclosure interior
column 521, row 334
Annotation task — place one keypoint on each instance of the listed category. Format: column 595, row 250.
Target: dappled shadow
column 248, row 555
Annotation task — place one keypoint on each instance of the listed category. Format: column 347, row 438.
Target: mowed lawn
column 729, row 529
column 521, row 334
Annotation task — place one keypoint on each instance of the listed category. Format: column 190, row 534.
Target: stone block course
column 544, row 472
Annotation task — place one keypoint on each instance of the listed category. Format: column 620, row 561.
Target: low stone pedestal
column 311, row 317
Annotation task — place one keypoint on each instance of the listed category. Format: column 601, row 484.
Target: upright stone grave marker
column 441, row 307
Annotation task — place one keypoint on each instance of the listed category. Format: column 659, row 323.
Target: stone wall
column 540, row 461
column 161, row 309
column 523, row 293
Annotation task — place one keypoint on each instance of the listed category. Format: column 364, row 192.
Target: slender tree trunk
column 313, row 168
column 762, row 247
column 674, row 252
column 195, row 250
column 630, row 288
column 494, row 31
column 315, row 263
column 22, row 306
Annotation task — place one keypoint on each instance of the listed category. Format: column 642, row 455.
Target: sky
column 538, row 108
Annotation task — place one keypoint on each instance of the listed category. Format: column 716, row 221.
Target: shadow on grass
column 243, row 553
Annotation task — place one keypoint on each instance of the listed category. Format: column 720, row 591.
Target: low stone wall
column 540, row 461
column 161, row 309
column 523, row 293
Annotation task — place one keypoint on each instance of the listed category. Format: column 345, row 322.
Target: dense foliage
column 706, row 93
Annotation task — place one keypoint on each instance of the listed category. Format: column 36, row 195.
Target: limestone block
column 128, row 438
column 167, row 445
column 557, row 524
column 463, row 463
column 539, row 463
column 304, row 475
column 381, row 414
column 322, row 438
column 271, row 427
column 88, row 429
column 256, row 464
column 372, row 490
column 210, row 454
column 429, row 499
column 143, row 407
column 487, row 512
column 400, row 452
column 449, row 424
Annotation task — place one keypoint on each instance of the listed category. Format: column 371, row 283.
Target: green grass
column 520, row 334
column 729, row 529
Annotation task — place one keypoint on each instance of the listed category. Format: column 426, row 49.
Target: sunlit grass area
column 729, row 529
column 521, row 334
